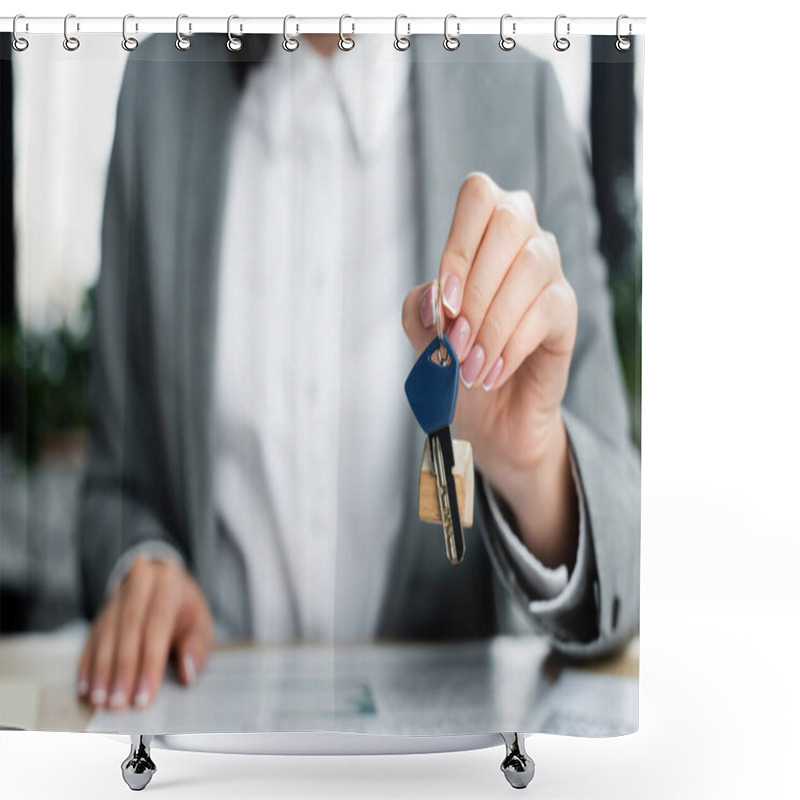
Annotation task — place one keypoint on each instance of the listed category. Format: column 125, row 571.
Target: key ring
column 561, row 43
column 507, row 42
column 181, row 42
column 401, row 42
column 290, row 44
column 345, row 42
column 71, row 43
column 233, row 44
column 442, row 356
column 20, row 43
column 451, row 42
column 128, row 42
column 622, row 44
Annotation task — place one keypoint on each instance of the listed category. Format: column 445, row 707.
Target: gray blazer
column 149, row 468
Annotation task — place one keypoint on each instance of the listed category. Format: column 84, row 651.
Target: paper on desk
column 475, row 687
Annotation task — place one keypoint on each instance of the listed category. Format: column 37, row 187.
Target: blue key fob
column 432, row 388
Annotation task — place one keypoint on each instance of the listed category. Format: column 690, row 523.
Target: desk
column 512, row 683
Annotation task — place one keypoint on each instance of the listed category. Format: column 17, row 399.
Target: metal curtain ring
column 71, row 43
column 561, row 43
column 507, row 42
column 181, row 42
column 233, row 44
column 401, row 42
column 290, row 44
column 451, row 42
column 622, row 44
column 128, row 42
column 19, row 43
column 345, row 42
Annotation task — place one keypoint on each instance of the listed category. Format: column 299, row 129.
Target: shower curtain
column 221, row 261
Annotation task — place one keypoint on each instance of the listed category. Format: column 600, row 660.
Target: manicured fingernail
column 117, row 694
column 189, row 669
column 98, row 696
column 472, row 365
column 83, row 685
column 451, row 293
column 427, row 313
column 142, row 694
column 493, row 374
column 459, row 336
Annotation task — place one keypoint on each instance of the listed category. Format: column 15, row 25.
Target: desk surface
column 505, row 683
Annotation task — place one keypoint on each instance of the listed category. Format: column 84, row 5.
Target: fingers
column 475, row 205
column 102, row 656
column 158, row 635
column 534, row 267
column 136, row 592
column 194, row 636
column 512, row 224
column 550, row 322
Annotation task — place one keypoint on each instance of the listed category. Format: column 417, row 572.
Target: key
column 432, row 390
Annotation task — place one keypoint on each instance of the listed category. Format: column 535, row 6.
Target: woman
column 253, row 458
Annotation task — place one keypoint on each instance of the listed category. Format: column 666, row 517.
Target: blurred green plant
column 43, row 384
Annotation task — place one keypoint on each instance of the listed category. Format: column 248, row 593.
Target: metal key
column 432, row 389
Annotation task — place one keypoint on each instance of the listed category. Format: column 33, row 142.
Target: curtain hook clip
column 181, row 42
column 401, row 42
column 128, row 42
column 346, row 42
column 20, row 43
column 561, row 43
column 623, row 44
column 234, row 44
column 507, row 42
column 451, row 42
column 290, row 44
column 71, row 43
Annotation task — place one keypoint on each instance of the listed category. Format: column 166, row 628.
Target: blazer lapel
column 208, row 112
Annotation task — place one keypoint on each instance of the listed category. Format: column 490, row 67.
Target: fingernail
column 98, row 696
column 427, row 313
column 189, row 669
column 117, row 694
column 472, row 365
column 459, row 336
column 83, row 685
column 493, row 374
column 451, row 293
column 142, row 695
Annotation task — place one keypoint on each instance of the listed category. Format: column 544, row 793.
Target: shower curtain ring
column 451, row 42
column 234, row 44
column 507, row 42
column 128, row 42
column 181, row 42
column 622, row 44
column 561, row 43
column 345, row 42
column 290, row 44
column 71, row 43
column 401, row 42
column 19, row 43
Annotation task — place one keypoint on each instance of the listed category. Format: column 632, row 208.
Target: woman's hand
column 156, row 609
column 512, row 321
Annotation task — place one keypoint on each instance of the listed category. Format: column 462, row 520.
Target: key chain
column 446, row 482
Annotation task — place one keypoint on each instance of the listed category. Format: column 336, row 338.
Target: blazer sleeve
column 122, row 498
column 601, row 613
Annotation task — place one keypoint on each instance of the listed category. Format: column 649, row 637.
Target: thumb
column 419, row 315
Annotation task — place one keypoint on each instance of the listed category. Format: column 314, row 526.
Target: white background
column 720, row 694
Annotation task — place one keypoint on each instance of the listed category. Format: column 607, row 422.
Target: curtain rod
column 457, row 26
